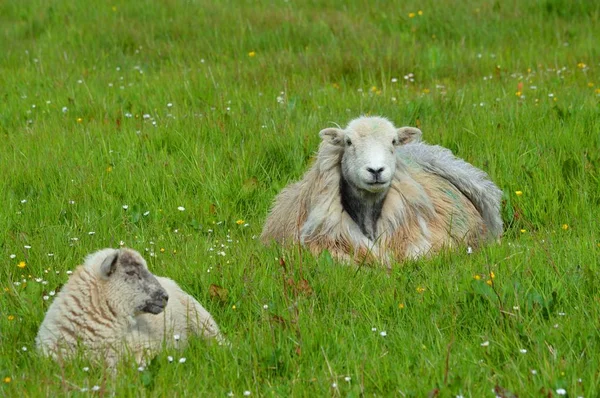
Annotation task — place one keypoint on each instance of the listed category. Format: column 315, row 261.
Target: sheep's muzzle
column 157, row 303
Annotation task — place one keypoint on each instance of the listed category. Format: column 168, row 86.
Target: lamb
column 112, row 304
column 377, row 193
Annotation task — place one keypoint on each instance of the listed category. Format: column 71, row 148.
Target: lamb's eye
column 348, row 142
column 394, row 141
column 130, row 273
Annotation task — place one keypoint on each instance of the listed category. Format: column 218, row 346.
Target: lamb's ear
column 109, row 264
column 409, row 134
column 333, row 135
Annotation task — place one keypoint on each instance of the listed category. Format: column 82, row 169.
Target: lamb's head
column 127, row 281
column 369, row 146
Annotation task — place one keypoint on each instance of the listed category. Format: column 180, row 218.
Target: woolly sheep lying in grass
column 113, row 304
column 376, row 192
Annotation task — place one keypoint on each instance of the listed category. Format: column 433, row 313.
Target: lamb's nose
column 162, row 296
column 376, row 172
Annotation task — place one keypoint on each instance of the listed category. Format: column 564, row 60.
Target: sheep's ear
column 109, row 264
column 409, row 134
column 333, row 135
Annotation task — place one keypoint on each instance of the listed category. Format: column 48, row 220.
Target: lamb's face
column 128, row 279
column 369, row 157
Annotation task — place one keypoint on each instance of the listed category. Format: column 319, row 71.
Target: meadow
column 170, row 126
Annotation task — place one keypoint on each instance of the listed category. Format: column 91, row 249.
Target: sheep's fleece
column 378, row 193
column 112, row 305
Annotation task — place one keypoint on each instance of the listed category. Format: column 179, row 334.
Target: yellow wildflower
column 240, row 222
column 7, row 379
column 518, row 93
column 401, row 306
column 523, row 231
column 565, row 226
column 590, row 84
column 11, row 317
column 420, row 289
column 251, row 53
column 22, row 264
column 162, row 249
column 492, row 275
column 373, row 89
column 233, row 307
column 109, row 169
column 581, row 65
column 420, row 12
column 597, row 91
column 425, row 91
column 518, row 193
column 477, row 277
column 79, row 120
column 335, row 85
column 411, row 14
column 489, row 282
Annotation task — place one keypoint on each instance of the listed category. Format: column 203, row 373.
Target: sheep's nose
column 161, row 296
column 376, row 172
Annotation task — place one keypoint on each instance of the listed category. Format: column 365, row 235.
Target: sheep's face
column 369, row 151
column 128, row 280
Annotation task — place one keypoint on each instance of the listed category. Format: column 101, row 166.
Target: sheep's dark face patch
column 364, row 208
column 138, row 285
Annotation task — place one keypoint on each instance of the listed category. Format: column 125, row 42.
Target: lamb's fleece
column 112, row 305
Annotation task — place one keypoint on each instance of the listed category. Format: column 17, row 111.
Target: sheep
column 113, row 304
column 378, row 193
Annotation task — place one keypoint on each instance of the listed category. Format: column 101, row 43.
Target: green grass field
column 216, row 106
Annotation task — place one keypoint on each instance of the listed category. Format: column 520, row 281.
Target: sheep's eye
column 130, row 273
column 394, row 141
column 348, row 142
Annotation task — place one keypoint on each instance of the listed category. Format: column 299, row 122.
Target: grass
column 216, row 106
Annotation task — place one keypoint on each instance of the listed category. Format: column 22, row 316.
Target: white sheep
column 113, row 304
column 376, row 192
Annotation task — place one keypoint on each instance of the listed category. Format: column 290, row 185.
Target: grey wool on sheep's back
column 472, row 182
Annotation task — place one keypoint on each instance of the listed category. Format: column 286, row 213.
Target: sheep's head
column 128, row 282
column 369, row 151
